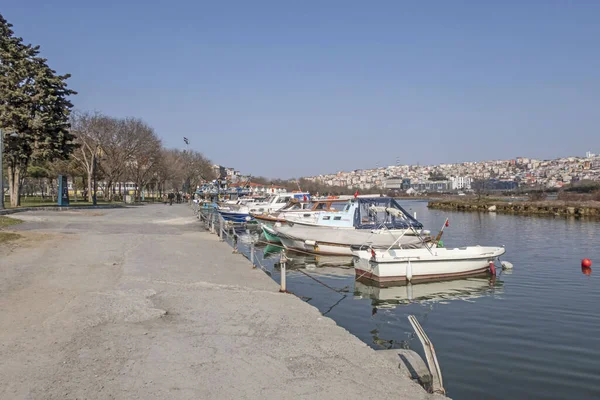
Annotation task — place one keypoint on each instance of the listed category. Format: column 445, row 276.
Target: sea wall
column 588, row 209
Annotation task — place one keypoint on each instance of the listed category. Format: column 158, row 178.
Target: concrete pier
column 142, row 303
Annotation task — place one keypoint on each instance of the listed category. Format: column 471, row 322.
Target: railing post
column 221, row 229
column 282, row 262
column 235, row 243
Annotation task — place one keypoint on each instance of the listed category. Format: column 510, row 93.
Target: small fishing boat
column 427, row 263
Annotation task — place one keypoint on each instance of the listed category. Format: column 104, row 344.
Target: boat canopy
column 375, row 213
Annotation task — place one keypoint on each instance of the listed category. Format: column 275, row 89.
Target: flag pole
column 439, row 235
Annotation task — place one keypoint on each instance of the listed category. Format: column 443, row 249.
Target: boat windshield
column 380, row 212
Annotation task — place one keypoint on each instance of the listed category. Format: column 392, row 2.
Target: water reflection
column 431, row 292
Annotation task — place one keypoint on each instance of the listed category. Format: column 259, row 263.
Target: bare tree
column 196, row 168
column 117, row 149
column 90, row 130
column 183, row 170
column 145, row 153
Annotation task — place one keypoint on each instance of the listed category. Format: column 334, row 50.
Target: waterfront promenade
column 142, row 303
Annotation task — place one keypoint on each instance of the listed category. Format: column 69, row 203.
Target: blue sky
column 295, row 88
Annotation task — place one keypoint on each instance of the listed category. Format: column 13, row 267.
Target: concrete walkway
column 141, row 303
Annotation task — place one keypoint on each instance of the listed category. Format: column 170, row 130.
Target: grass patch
column 8, row 236
column 38, row 202
column 7, row 221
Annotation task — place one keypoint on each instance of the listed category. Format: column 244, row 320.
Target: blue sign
column 63, row 191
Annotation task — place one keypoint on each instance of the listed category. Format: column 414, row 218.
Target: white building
column 589, row 154
column 461, row 182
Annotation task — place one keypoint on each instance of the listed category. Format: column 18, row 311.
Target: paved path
column 141, row 303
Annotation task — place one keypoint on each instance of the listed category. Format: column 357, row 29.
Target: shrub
column 537, row 196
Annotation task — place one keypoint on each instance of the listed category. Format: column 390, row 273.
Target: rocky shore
column 576, row 209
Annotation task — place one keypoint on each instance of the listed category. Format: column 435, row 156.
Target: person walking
column 171, row 197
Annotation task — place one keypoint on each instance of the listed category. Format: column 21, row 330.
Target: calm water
column 533, row 333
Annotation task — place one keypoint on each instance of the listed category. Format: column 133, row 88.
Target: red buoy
column 586, row 263
column 492, row 268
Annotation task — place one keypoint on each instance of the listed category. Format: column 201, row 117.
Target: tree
column 145, row 146
column 34, row 104
column 196, row 168
column 90, row 131
column 480, row 187
column 116, row 150
column 183, row 170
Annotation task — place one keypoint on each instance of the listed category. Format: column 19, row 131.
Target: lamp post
column 95, row 166
column 1, row 168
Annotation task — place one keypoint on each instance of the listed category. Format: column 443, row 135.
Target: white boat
column 335, row 241
column 241, row 212
column 398, row 265
column 372, row 222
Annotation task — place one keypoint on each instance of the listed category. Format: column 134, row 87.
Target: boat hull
column 420, row 265
column 339, row 242
column 233, row 216
column 330, row 249
column 270, row 234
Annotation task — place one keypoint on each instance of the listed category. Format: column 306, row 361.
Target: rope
column 318, row 281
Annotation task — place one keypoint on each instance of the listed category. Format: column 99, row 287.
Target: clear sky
column 294, row 88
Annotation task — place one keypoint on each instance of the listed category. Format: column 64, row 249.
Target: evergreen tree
column 34, row 104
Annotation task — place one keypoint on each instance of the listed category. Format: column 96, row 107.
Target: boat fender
column 408, row 271
column 310, row 242
column 492, row 268
column 506, row 265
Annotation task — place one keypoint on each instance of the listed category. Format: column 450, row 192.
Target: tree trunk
column 90, row 182
column 109, row 190
column 51, row 189
column 14, row 186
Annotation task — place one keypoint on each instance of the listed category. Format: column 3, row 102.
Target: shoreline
column 558, row 208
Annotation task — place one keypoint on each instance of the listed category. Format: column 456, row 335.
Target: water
column 533, row 333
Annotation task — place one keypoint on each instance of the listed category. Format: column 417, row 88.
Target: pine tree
column 34, row 104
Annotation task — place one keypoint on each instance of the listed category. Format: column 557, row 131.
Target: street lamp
column 1, row 169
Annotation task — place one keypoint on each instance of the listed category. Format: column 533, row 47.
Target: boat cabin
column 370, row 213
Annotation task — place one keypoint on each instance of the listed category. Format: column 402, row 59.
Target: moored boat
column 241, row 212
column 295, row 211
column 370, row 222
column 400, row 265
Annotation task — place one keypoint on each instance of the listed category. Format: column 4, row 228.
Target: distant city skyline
column 283, row 89
column 586, row 154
